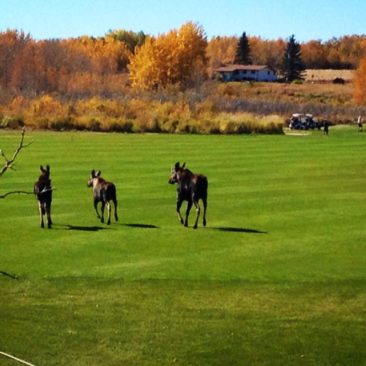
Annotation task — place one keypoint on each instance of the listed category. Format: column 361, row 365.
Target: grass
column 328, row 74
column 277, row 277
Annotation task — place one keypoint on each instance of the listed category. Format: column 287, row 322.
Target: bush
column 297, row 82
column 121, row 126
column 62, row 124
column 11, row 122
column 338, row 81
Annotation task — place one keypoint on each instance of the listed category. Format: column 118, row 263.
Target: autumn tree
column 267, row 52
column 11, row 44
column 191, row 58
column 293, row 66
column 220, row 51
column 101, row 55
column 29, row 73
column 243, row 54
column 175, row 58
column 360, row 83
column 314, row 55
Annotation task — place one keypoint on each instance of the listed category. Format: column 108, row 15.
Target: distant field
column 278, row 277
column 328, row 74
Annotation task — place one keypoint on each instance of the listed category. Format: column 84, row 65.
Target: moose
column 43, row 192
column 103, row 192
column 191, row 188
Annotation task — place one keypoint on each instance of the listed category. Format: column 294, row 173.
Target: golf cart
column 299, row 121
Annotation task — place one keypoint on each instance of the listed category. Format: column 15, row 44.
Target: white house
column 246, row 73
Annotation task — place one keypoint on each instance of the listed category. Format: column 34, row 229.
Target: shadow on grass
column 142, row 226
column 86, row 228
column 238, row 230
column 80, row 228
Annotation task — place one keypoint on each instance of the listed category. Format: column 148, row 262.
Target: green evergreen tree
column 293, row 65
column 130, row 38
column 242, row 55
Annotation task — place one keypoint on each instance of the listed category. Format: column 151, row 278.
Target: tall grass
column 214, row 107
column 136, row 115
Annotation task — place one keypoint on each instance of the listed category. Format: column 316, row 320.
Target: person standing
column 359, row 123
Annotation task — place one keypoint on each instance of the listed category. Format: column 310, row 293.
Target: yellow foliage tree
column 101, row 55
column 175, row 58
column 143, row 66
column 220, row 51
column 360, row 83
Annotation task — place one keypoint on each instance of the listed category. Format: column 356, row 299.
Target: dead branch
column 14, row 277
column 9, row 162
column 14, row 192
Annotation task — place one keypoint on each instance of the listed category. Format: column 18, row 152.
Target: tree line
column 182, row 57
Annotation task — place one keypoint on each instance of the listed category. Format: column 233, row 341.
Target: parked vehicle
column 299, row 121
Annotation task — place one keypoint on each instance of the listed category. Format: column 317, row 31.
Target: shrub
column 210, row 127
column 121, row 126
column 297, row 82
column 338, row 81
column 62, row 124
column 11, row 122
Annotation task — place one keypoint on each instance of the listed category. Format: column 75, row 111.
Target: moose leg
column 115, row 210
column 179, row 204
column 198, row 210
column 96, row 208
column 41, row 212
column 109, row 209
column 48, row 212
column 187, row 212
column 204, row 211
column 102, row 208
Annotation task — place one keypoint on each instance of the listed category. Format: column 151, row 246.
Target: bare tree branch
column 14, row 192
column 14, row 277
column 9, row 162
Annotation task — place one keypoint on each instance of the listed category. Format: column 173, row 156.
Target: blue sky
column 270, row 19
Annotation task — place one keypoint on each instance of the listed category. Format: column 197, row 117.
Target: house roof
column 231, row 68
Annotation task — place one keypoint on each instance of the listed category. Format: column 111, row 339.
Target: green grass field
column 278, row 276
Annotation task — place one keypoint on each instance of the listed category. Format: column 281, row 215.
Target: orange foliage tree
column 360, row 83
column 314, row 54
column 11, row 44
column 175, row 58
column 220, row 51
column 267, row 52
column 87, row 66
column 33, row 67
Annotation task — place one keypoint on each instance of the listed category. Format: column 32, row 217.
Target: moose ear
column 184, row 164
column 92, row 173
column 48, row 168
column 41, row 168
column 177, row 165
column 98, row 173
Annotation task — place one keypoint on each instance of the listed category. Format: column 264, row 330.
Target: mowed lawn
column 278, row 276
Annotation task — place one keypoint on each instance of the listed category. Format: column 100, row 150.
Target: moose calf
column 191, row 188
column 43, row 191
column 103, row 192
